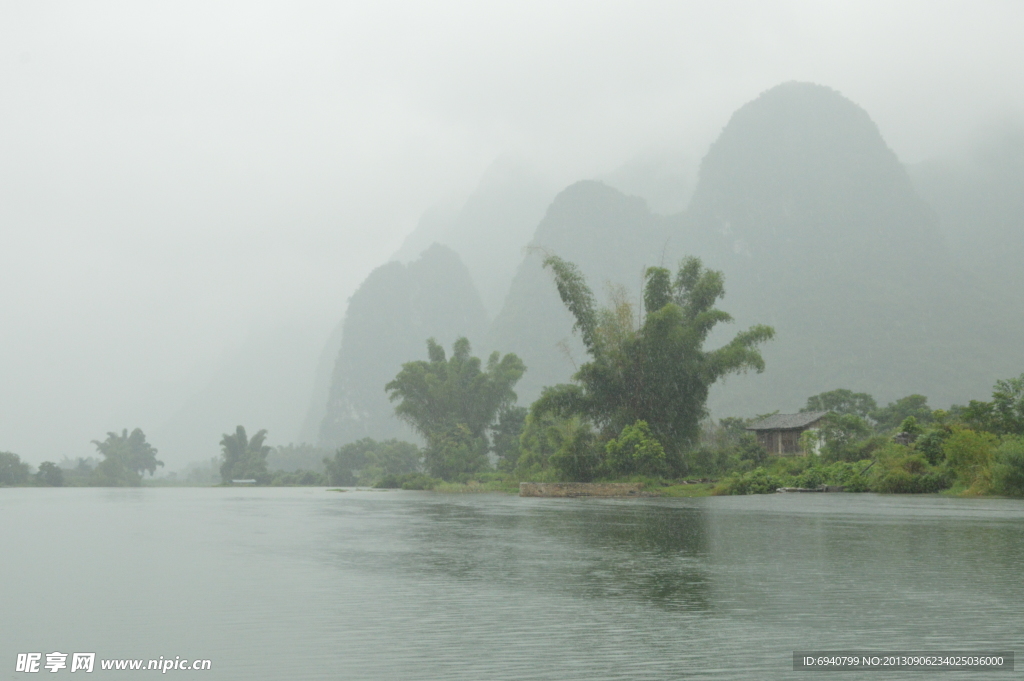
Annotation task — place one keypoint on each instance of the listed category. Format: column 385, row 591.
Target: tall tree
column 1004, row 415
column 657, row 372
column 13, row 471
column 453, row 402
column 892, row 415
column 244, row 458
column 1008, row 405
column 49, row 475
column 505, row 436
column 843, row 401
column 125, row 458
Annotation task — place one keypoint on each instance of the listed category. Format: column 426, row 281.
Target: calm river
column 309, row 584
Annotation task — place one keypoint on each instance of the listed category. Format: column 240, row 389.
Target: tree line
column 126, row 456
column 635, row 410
column 904, row 447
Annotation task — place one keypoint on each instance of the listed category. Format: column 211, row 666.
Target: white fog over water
column 190, row 192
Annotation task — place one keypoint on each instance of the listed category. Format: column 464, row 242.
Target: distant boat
column 243, row 482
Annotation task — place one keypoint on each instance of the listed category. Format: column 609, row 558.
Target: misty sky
column 177, row 177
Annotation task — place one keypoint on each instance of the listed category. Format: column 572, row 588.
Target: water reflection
column 582, row 549
column 870, row 572
column 306, row 584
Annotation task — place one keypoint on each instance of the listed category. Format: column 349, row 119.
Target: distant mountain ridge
column 612, row 238
column 978, row 196
column 833, row 246
column 820, row 232
column 387, row 323
column 490, row 229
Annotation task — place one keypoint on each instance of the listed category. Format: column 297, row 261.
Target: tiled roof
column 787, row 421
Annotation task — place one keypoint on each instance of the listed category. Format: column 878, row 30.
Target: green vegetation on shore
column 975, row 450
column 636, row 411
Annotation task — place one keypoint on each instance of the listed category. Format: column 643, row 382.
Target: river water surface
column 307, row 583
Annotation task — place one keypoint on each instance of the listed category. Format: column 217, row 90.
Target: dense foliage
column 125, row 457
column 505, row 436
column 656, row 373
column 244, row 458
column 366, row 462
column 49, row 475
column 842, row 401
column 453, row 402
column 13, row 471
column 972, row 450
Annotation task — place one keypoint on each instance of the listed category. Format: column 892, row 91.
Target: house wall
column 790, row 441
column 781, row 442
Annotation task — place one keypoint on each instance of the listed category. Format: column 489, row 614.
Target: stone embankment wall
column 580, row 489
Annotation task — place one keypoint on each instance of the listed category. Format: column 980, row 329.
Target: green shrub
column 968, row 454
column 419, row 481
column 901, row 471
column 899, row 481
column 866, row 449
column 749, row 449
column 793, row 466
column 848, row 474
column 535, row 473
column 407, row 481
column 758, row 481
column 293, row 478
column 636, row 452
column 367, row 461
column 930, row 444
column 812, row 477
column 556, row 449
column 455, row 453
column 1008, row 468
column 703, row 459
column 577, row 458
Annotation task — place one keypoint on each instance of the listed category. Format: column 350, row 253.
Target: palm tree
column 244, row 458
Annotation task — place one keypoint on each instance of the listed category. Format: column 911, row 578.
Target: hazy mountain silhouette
column 831, row 244
column 490, row 230
column 388, row 321
column 979, row 198
column 612, row 238
column 323, row 375
column 263, row 382
column 819, row 231
column 663, row 179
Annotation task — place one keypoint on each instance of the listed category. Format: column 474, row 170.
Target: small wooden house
column 780, row 433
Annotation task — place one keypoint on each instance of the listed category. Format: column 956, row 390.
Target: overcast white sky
column 175, row 175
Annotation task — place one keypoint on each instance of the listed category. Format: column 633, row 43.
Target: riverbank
column 648, row 488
